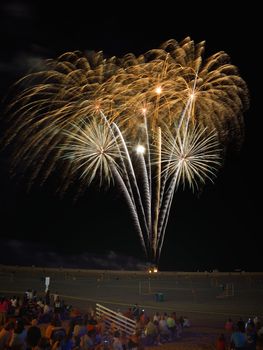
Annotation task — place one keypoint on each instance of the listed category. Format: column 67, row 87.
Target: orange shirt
column 49, row 331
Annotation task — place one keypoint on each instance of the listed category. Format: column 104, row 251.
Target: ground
column 207, row 299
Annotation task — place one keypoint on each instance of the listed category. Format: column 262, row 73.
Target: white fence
column 121, row 322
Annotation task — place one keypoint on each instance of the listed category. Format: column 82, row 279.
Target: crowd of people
column 48, row 323
column 35, row 323
column 242, row 334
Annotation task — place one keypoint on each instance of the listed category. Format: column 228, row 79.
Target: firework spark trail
column 123, row 167
column 149, row 190
column 185, row 159
column 165, row 214
column 166, row 198
column 165, row 173
column 182, row 108
column 199, row 157
column 187, row 108
column 130, row 171
column 133, row 210
column 145, row 191
column 157, row 189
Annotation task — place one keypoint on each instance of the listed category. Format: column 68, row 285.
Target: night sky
column 218, row 228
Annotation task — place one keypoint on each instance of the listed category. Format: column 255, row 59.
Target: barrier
column 121, row 322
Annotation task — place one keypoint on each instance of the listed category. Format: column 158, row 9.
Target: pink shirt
column 4, row 306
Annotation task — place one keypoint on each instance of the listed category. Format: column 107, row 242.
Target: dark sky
column 216, row 229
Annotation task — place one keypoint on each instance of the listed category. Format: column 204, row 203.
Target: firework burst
column 192, row 155
column 147, row 123
column 94, row 150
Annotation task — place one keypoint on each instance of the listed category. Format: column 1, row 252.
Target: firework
column 146, row 123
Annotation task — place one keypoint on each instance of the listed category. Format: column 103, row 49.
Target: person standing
column 136, row 311
column 221, row 343
column 47, row 297
column 238, row 339
column 3, row 310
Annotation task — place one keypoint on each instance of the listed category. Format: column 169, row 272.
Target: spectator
column 18, row 339
column 151, row 333
column 51, row 328
column 249, row 323
column 128, row 313
column 156, row 317
column 179, row 329
column 256, row 320
column 229, row 326
column 186, row 322
column 57, row 306
column 221, row 343
column 33, row 334
column 117, row 345
column 238, row 339
column 55, row 296
column 47, row 297
column 171, row 326
column 165, row 334
column 87, row 340
column 136, row 311
column 3, row 310
column 251, row 337
column 44, row 344
column 241, row 325
column 134, row 341
column 6, row 334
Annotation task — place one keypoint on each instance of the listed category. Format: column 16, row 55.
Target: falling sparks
column 146, row 124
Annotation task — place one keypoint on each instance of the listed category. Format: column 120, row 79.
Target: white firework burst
column 191, row 155
column 94, row 149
